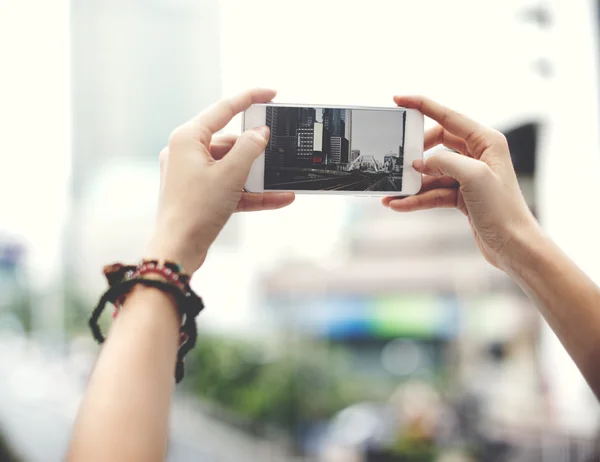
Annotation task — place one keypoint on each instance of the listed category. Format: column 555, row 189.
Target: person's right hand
column 478, row 179
column 202, row 180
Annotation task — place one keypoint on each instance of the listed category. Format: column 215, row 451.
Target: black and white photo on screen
column 331, row 149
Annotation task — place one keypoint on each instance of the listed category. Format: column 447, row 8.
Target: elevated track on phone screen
column 331, row 180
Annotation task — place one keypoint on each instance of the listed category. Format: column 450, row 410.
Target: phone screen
column 328, row 149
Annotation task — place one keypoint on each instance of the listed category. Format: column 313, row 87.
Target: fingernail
column 263, row 131
column 418, row 164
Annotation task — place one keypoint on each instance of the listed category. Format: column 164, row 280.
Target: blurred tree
column 285, row 394
column 15, row 296
column 77, row 310
column 21, row 307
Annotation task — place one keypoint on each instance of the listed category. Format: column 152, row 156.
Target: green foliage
column 15, row 296
column 77, row 311
column 408, row 449
column 307, row 384
column 21, row 307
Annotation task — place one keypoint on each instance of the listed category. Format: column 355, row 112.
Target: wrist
column 149, row 312
column 527, row 244
column 160, row 248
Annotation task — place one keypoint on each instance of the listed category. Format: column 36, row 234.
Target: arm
column 565, row 296
column 478, row 179
column 124, row 414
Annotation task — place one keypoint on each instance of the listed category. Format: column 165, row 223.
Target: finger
column 457, row 124
column 248, row 147
column 465, row 170
column 206, row 124
column 268, row 201
column 221, row 145
column 436, row 198
column 429, row 183
column 438, row 135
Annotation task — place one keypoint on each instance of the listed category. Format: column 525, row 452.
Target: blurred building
column 136, row 76
column 138, row 71
column 405, row 297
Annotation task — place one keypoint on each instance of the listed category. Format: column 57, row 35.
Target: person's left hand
column 202, row 177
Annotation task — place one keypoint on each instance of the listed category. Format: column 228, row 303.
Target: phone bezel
column 256, row 116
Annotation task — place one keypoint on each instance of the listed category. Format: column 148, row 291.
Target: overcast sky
column 376, row 133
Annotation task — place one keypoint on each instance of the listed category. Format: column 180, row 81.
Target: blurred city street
column 335, row 329
column 40, row 395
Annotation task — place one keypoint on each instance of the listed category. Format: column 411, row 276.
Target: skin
column 480, row 181
column 124, row 414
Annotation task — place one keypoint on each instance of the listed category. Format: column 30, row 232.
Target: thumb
column 249, row 146
column 463, row 169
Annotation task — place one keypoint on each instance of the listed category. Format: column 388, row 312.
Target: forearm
column 567, row 298
column 124, row 415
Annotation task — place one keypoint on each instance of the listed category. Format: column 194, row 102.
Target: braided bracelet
column 123, row 278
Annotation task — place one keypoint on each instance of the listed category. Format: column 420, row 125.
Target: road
column 40, row 395
column 340, row 181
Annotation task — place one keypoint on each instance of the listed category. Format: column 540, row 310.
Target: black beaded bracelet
column 189, row 305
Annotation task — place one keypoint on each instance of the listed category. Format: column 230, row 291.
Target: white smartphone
column 365, row 151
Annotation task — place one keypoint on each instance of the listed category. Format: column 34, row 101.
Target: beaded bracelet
column 122, row 278
column 167, row 270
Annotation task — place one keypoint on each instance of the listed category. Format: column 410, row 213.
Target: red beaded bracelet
column 161, row 270
column 123, row 278
column 166, row 270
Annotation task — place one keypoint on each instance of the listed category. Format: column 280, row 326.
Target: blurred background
column 335, row 330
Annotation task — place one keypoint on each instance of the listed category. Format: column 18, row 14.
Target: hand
column 202, row 177
column 478, row 179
